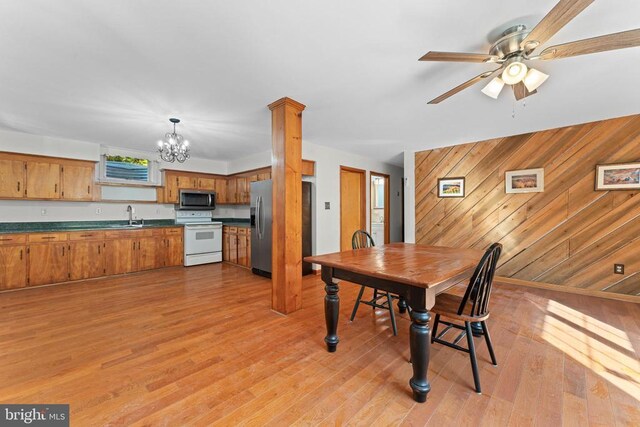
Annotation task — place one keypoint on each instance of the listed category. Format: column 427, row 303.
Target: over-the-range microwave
column 194, row 200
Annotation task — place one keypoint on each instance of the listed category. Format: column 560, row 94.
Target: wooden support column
column 286, row 173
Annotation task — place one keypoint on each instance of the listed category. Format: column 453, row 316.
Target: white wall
column 31, row 211
column 326, row 223
column 409, row 196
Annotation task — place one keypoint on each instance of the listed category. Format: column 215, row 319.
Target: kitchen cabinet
column 207, row 184
column 232, row 190
column 32, row 259
column 236, row 245
column 148, row 256
column 48, row 263
column 119, row 255
column 39, row 177
column 242, row 190
column 12, row 179
column 77, row 182
column 43, row 180
column 221, row 191
column 264, row 176
column 173, row 248
column 86, row 259
column 13, row 261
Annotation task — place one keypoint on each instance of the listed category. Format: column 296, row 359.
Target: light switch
column 327, row 205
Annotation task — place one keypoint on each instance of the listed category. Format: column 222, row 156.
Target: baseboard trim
column 568, row 289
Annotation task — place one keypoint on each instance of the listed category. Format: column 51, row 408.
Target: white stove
column 202, row 237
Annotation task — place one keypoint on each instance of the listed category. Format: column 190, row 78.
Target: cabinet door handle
column 88, row 189
column 134, row 246
column 138, row 245
column 98, row 249
column 48, row 237
column 20, row 254
column 63, row 251
column 55, row 188
column 18, row 186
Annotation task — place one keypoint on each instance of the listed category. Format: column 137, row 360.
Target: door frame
column 387, row 198
column 363, row 196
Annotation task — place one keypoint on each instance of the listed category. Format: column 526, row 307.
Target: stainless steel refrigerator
column 261, row 219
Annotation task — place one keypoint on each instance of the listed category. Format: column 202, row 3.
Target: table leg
column 331, row 310
column 402, row 305
column 420, row 344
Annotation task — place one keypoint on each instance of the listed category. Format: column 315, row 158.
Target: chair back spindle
column 361, row 239
column 479, row 289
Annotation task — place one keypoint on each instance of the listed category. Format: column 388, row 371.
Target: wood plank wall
column 569, row 235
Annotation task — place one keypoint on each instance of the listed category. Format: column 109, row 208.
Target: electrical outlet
column 327, row 205
column 98, row 211
column 43, row 212
column 618, row 268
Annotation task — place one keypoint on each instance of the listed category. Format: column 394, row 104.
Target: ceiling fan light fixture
column 514, row 71
column 534, row 79
column 494, row 87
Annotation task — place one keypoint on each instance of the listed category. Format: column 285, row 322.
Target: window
column 125, row 169
column 129, row 168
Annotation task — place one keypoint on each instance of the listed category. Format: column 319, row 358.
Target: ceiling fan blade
column 463, row 86
column 458, row 57
column 614, row 41
column 520, row 91
column 558, row 17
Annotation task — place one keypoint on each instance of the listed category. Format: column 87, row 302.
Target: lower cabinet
column 173, row 248
column 41, row 258
column 48, row 263
column 86, row 259
column 236, row 245
column 119, row 256
column 13, row 266
column 148, row 254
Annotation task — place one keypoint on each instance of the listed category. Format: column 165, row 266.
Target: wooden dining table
column 416, row 273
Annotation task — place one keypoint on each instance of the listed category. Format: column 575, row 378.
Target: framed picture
column 450, row 187
column 623, row 176
column 524, row 181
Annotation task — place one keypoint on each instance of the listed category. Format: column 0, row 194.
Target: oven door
column 202, row 239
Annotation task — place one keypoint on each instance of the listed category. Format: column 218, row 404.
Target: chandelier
column 173, row 147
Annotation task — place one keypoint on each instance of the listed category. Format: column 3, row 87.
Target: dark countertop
column 45, row 227
column 234, row 222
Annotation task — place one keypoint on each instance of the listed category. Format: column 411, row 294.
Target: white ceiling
column 114, row 71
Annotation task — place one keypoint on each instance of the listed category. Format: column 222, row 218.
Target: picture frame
column 451, row 187
column 618, row 176
column 524, row 181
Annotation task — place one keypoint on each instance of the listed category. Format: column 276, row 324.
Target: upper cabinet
column 11, row 179
column 43, row 180
column 77, row 182
column 51, row 178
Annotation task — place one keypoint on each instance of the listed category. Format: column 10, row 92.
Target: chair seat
column 447, row 305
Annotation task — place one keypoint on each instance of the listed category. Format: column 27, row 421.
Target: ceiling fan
column 517, row 44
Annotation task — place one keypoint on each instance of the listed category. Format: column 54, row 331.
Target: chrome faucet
column 130, row 210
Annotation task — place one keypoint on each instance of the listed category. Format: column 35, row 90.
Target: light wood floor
column 200, row 346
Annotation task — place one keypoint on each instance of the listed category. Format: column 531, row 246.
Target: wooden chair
column 362, row 239
column 472, row 307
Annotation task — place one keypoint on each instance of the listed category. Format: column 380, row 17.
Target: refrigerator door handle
column 260, row 233
column 258, row 216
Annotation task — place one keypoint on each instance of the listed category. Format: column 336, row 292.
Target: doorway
column 379, row 210
column 353, row 200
